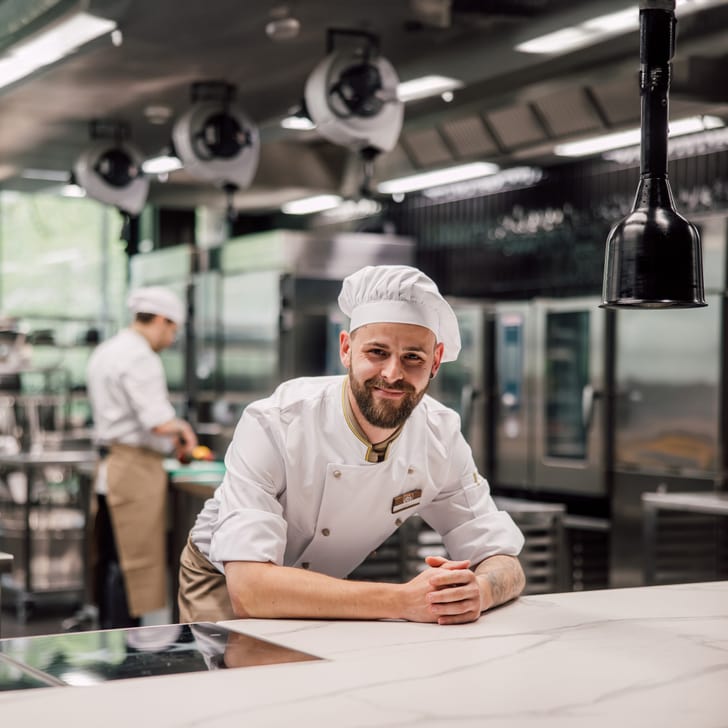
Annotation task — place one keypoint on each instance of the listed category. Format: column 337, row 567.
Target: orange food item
column 202, row 452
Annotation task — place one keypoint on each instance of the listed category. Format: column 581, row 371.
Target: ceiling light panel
column 426, row 86
column 631, row 137
column 601, row 27
column 163, row 164
column 448, row 175
column 51, row 46
column 309, row 205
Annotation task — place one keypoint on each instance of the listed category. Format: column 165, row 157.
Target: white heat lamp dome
column 353, row 101
column 111, row 172
column 217, row 143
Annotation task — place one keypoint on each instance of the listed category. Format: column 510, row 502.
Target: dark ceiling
column 512, row 108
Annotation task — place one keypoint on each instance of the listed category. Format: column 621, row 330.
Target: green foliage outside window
column 63, row 276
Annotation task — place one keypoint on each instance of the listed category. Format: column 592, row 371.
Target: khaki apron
column 137, row 502
column 203, row 594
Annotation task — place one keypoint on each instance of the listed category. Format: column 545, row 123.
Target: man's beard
column 385, row 413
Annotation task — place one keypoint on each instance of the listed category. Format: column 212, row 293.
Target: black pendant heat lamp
column 653, row 257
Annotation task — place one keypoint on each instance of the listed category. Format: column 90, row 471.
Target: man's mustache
column 400, row 386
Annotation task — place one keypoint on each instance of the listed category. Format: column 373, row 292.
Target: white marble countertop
column 649, row 656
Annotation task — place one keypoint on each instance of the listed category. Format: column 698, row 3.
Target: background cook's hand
column 185, row 443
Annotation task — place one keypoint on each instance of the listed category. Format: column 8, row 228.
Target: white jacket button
column 325, row 531
column 337, row 473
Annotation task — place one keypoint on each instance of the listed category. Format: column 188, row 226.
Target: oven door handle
column 589, row 395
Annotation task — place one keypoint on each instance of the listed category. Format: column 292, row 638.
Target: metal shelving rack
column 43, row 525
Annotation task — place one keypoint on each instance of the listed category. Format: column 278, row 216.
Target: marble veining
column 652, row 656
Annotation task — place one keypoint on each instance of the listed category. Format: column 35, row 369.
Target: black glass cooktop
column 87, row 658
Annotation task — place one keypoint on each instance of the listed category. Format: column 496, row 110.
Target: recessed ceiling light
column 436, row 177
column 308, row 205
column 300, row 123
column 426, row 86
column 601, row 27
column 48, row 47
column 164, row 164
column 630, row 137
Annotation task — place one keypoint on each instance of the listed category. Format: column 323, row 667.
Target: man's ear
column 437, row 360
column 345, row 348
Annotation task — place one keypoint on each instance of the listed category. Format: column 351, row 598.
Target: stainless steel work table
column 39, row 494
column 707, row 503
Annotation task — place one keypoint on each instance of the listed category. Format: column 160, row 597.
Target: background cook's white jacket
column 298, row 491
column 128, row 391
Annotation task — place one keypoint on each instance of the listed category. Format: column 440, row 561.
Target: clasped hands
column 447, row 592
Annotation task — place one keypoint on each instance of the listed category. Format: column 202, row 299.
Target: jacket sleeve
column 250, row 524
column 464, row 513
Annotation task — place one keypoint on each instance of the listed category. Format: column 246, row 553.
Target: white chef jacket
column 128, row 392
column 299, row 492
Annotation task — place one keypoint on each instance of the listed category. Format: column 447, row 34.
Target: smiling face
column 390, row 367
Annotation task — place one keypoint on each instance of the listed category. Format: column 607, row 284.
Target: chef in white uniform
column 325, row 469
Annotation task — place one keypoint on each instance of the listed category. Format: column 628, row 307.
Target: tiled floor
column 53, row 619
column 46, row 621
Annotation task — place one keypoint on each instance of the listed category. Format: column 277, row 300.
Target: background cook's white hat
column 403, row 295
column 157, row 300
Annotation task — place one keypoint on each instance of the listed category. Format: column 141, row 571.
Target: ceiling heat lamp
column 653, row 256
column 351, row 96
column 215, row 139
column 110, row 170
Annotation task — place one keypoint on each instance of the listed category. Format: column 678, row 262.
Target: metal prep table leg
column 649, row 541
column 6, row 565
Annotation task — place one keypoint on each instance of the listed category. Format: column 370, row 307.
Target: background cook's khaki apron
column 137, row 502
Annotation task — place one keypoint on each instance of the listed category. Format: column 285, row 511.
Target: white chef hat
column 403, row 295
column 157, row 300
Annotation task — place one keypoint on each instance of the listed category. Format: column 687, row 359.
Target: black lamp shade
column 653, row 256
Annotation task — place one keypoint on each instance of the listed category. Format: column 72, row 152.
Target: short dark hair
column 144, row 318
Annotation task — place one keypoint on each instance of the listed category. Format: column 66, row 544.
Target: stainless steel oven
column 548, row 413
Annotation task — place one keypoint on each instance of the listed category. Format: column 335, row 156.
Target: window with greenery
column 63, row 277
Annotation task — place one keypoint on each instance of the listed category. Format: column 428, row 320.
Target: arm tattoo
column 504, row 576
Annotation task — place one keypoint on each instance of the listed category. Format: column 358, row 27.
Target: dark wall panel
column 548, row 239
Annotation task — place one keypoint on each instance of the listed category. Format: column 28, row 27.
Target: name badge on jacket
column 406, row 500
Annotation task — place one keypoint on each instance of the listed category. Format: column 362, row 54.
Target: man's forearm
column 501, row 579
column 269, row 591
